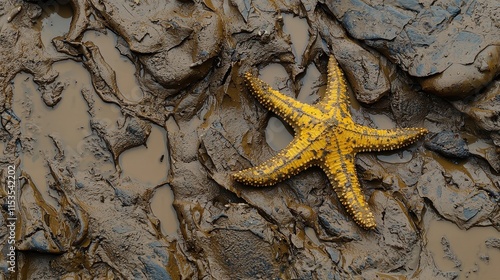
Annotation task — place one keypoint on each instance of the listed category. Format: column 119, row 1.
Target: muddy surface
column 125, row 119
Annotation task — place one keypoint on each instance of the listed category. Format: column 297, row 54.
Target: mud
column 471, row 259
column 448, row 144
column 427, row 39
column 126, row 119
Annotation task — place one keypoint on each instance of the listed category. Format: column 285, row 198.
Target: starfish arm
column 341, row 172
column 296, row 157
column 291, row 110
column 371, row 139
column 336, row 99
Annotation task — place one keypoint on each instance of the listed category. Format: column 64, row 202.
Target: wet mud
column 125, row 121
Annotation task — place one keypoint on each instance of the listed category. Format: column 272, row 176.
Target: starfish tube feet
column 387, row 139
column 336, row 96
column 291, row 110
column 349, row 192
column 341, row 173
column 288, row 162
column 355, row 204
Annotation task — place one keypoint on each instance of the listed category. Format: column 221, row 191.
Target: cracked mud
column 125, row 120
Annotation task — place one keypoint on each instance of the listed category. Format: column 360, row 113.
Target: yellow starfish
column 325, row 136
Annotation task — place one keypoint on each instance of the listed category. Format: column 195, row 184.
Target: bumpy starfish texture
column 325, row 136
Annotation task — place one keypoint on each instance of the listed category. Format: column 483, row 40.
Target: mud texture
column 451, row 45
column 431, row 64
column 448, row 144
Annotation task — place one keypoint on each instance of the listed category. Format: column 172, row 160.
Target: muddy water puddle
column 278, row 133
column 398, row 156
column 40, row 124
column 311, row 234
column 54, row 21
column 310, row 85
column 69, row 121
column 162, row 207
column 297, row 28
column 147, row 164
column 123, row 67
column 463, row 251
